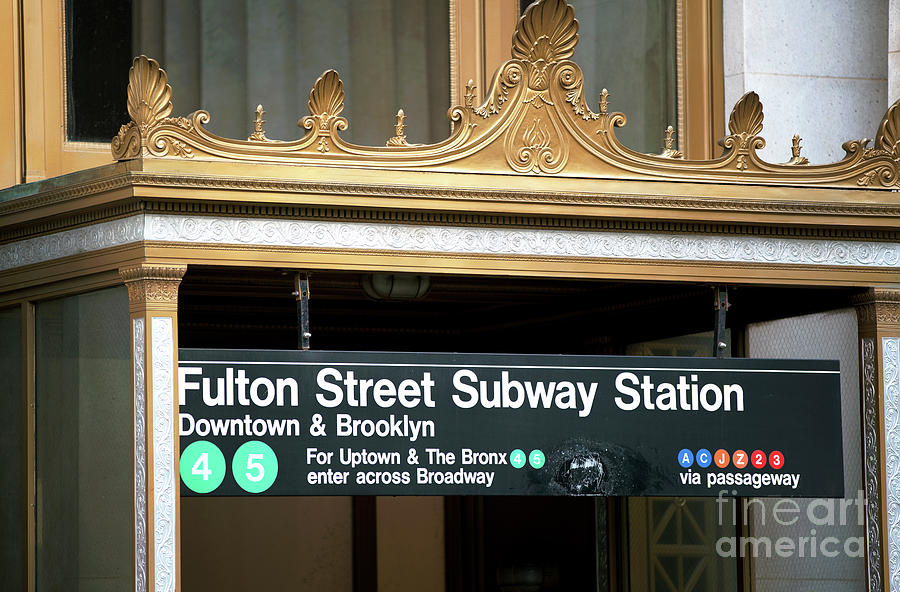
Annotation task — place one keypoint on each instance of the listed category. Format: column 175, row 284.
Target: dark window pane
column 98, row 56
column 11, row 439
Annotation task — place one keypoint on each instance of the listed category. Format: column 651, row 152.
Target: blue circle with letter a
column 685, row 458
column 704, row 458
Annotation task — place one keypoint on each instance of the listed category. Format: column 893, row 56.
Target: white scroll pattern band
column 891, row 377
column 653, row 246
column 164, row 481
column 140, row 461
column 86, row 239
column 529, row 242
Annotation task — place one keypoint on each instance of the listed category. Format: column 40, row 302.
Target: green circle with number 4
column 254, row 466
column 517, row 458
column 202, row 466
column 536, row 459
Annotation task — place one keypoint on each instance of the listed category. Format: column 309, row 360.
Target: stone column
column 153, row 299
column 879, row 331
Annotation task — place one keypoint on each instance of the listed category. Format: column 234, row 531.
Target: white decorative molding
column 529, row 242
column 140, row 460
column 373, row 236
column 890, row 347
column 98, row 236
column 164, row 482
column 871, row 468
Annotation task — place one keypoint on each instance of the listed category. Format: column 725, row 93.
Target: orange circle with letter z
column 740, row 458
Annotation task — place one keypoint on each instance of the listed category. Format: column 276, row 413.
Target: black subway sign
column 255, row 422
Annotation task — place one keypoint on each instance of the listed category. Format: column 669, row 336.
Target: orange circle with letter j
column 721, row 458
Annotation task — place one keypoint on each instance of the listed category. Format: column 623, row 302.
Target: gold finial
column 399, row 127
column 669, row 150
column 470, row 93
column 604, row 101
column 796, row 159
column 258, row 135
column 670, row 137
column 399, row 138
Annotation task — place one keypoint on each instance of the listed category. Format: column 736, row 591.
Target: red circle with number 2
column 758, row 459
column 776, row 459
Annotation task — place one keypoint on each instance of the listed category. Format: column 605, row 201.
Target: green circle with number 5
column 202, row 466
column 536, row 459
column 254, row 466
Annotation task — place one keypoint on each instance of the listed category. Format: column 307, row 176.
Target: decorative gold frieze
column 534, row 119
column 152, row 284
column 878, row 307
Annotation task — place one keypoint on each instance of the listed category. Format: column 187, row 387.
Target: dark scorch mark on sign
column 584, row 467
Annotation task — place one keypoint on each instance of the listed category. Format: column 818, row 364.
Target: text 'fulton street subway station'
column 462, row 325
column 333, row 423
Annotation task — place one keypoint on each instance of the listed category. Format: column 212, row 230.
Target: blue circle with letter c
column 704, row 458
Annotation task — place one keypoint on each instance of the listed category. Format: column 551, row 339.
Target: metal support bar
column 720, row 346
column 301, row 293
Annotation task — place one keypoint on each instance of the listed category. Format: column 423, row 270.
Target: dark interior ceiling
column 255, row 309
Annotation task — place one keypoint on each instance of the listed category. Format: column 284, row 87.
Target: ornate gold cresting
column 533, row 119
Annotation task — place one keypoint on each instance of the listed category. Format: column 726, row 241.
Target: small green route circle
column 536, row 459
column 202, row 466
column 517, row 458
column 254, row 466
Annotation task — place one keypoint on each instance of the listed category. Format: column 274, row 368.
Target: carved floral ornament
column 534, row 117
column 153, row 284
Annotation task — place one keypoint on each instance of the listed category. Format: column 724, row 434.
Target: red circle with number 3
column 776, row 459
column 758, row 459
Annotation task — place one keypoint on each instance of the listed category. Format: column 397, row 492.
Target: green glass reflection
column 83, row 432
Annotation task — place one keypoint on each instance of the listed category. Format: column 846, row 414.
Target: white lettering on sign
column 356, row 392
column 513, row 394
column 262, row 392
column 684, row 395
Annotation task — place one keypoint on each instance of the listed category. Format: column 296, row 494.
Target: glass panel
column 83, row 436
column 673, row 542
column 629, row 49
column 11, row 443
column 819, row 543
column 227, row 56
column 98, row 48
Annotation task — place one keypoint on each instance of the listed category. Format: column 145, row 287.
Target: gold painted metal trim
column 701, row 77
column 152, row 294
column 47, row 151
column 534, row 120
column 680, row 82
column 11, row 93
column 69, row 275
column 878, row 314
